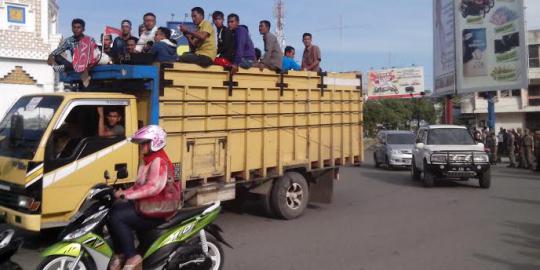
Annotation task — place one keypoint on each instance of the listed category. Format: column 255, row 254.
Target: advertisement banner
column 394, row 83
column 444, row 48
column 491, row 51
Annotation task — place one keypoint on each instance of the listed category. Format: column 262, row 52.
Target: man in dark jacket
column 243, row 45
column 120, row 44
column 225, row 38
column 164, row 50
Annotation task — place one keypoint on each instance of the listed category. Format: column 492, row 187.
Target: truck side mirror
column 121, row 171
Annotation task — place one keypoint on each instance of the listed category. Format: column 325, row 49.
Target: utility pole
column 279, row 14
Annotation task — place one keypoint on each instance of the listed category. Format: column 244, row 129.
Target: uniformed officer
column 528, row 146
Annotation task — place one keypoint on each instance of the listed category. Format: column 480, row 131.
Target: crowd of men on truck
column 209, row 44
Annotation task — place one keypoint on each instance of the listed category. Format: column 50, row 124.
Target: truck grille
column 406, row 152
column 8, row 199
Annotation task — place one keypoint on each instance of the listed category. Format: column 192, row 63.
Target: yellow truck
column 279, row 137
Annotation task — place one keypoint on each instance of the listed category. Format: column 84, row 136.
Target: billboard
column 444, row 48
column 394, row 83
column 489, row 46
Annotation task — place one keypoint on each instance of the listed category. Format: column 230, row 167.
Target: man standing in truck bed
column 311, row 59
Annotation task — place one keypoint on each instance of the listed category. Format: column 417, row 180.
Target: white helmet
column 153, row 134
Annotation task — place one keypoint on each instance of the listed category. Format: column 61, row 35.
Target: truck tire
column 429, row 178
column 484, row 179
column 415, row 173
column 290, row 195
column 377, row 164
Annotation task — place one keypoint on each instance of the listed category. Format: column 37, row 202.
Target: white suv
column 446, row 151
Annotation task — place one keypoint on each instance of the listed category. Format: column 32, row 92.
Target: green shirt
column 208, row 46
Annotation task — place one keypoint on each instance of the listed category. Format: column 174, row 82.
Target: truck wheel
column 377, row 164
column 429, row 178
column 415, row 173
column 485, row 179
column 290, row 195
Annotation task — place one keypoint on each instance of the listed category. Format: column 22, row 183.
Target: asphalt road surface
column 380, row 219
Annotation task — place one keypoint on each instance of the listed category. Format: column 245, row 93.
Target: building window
column 516, row 93
column 16, row 14
column 534, row 95
column 485, row 95
column 505, row 93
column 534, row 60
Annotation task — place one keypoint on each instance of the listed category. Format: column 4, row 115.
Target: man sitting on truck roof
column 243, row 45
column 112, row 127
column 120, row 43
column 202, row 41
column 149, row 31
column 164, row 50
column 131, row 44
column 272, row 51
column 56, row 59
column 225, row 41
column 288, row 60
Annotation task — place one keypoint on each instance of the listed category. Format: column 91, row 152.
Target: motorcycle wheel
column 64, row 263
column 182, row 260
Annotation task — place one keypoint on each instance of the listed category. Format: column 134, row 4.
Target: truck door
column 77, row 158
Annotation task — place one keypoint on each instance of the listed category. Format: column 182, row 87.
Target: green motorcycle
column 187, row 241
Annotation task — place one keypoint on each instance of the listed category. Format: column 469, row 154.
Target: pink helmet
column 152, row 133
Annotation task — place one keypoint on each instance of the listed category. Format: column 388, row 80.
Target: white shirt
column 145, row 37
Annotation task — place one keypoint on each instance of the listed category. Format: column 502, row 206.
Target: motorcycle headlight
column 481, row 158
column 87, row 225
column 438, row 158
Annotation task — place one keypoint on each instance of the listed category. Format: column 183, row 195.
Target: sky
column 374, row 34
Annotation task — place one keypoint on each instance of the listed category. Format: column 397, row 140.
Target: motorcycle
column 9, row 245
column 189, row 240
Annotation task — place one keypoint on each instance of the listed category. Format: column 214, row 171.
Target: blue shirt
column 290, row 64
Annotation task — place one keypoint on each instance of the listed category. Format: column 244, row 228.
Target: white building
column 518, row 108
column 28, row 33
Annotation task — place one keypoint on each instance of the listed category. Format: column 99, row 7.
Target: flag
column 112, row 31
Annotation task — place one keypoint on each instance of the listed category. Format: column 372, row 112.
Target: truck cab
column 46, row 139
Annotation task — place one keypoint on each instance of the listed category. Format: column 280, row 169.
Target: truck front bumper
column 25, row 221
column 459, row 170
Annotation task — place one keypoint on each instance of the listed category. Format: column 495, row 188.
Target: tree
column 397, row 114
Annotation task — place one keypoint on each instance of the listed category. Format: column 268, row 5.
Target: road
column 380, row 219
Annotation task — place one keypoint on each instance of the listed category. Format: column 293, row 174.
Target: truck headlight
column 28, row 203
column 481, row 158
column 438, row 158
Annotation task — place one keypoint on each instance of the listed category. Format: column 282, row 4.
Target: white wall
column 505, row 120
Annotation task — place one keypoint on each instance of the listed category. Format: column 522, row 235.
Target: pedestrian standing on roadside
column 500, row 144
column 537, row 148
column 520, row 149
column 511, row 146
column 490, row 144
column 528, row 147
column 494, row 150
column 311, row 59
column 478, row 137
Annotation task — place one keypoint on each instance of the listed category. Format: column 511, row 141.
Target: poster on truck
column 491, row 52
column 394, row 83
column 444, row 48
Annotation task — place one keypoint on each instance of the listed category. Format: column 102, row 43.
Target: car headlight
column 438, row 158
column 87, row 225
column 481, row 158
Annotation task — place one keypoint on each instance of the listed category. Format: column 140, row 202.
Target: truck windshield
column 449, row 136
column 23, row 126
column 400, row 138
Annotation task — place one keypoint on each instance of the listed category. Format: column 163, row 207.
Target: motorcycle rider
column 154, row 198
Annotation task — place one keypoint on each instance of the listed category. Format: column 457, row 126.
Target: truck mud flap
column 321, row 189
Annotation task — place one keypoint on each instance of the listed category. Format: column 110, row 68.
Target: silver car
column 394, row 148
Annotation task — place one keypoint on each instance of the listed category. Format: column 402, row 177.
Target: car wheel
column 484, row 179
column 415, row 173
column 429, row 178
column 377, row 164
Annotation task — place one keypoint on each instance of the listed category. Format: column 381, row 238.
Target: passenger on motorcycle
column 154, row 198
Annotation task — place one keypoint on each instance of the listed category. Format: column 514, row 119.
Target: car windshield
column 449, row 136
column 400, row 138
column 23, row 126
